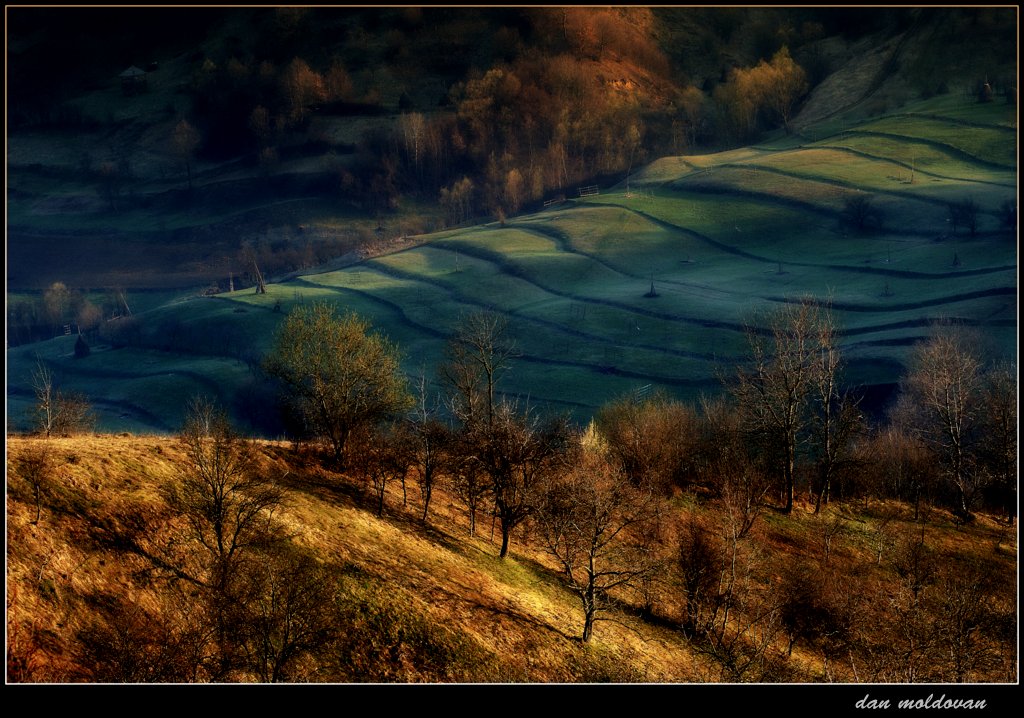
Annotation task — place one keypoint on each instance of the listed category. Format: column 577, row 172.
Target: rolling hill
column 722, row 238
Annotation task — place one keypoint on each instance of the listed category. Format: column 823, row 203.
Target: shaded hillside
column 346, row 125
column 858, row 214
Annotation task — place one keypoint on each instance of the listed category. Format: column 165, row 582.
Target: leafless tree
column 964, row 213
column 285, row 613
column 700, row 569
column 727, row 617
column 468, row 473
column 35, row 465
column 385, row 455
column 860, row 212
column 591, row 519
column 834, row 414
column 774, row 392
column 476, row 356
column 58, row 413
column 724, row 461
column 944, row 390
column 998, row 443
column 901, row 464
column 966, row 613
column 649, row 438
column 431, row 445
column 228, row 504
column 830, row 528
column 518, row 454
column 126, row 642
column 814, row 610
column 915, row 562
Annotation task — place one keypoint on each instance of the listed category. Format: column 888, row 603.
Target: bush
column 860, row 213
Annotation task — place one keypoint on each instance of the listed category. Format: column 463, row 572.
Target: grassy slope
column 515, row 614
column 725, row 237
column 511, row 620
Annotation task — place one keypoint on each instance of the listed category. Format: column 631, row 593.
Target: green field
column 723, row 237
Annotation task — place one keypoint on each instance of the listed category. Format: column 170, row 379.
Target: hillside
column 92, row 596
column 721, row 237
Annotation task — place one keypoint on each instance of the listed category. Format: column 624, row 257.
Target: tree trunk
column 426, row 502
column 588, row 624
column 789, row 488
column 504, row 540
column 822, row 495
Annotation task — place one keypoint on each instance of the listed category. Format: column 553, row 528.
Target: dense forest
column 555, row 98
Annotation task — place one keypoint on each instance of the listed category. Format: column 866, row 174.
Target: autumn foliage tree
column 763, row 95
column 649, row 438
column 339, row 376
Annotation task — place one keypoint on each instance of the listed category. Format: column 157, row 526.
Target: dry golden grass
column 516, row 613
column 515, row 608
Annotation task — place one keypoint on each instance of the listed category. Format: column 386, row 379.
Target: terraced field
column 724, row 238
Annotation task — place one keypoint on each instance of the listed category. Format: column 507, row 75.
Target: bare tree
column 700, row 571
column 227, row 502
column 808, row 609
column 431, row 445
column 834, row 414
column 35, row 465
column 944, row 390
column 385, row 455
column 46, row 408
column 124, row 641
column 726, row 463
column 228, row 507
column 518, row 454
column 901, row 464
column 286, row 613
column 58, row 413
column 773, row 393
column 966, row 613
column 860, row 212
column 649, row 438
column 476, row 357
column 964, row 214
column 998, row 449
column 468, row 474
column 591, row 519
column 729, row 619
column 915, row 562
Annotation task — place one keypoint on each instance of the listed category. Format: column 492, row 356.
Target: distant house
column 133, row 80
